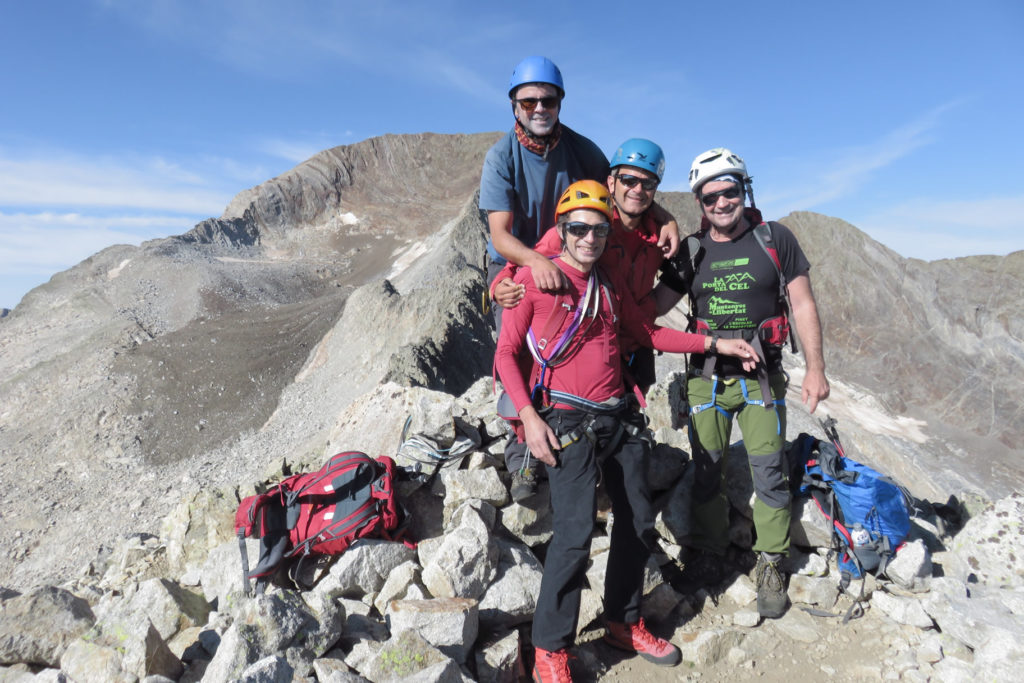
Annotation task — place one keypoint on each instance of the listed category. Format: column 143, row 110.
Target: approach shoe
column 636, row 638
column 551, row 667
column 771, row 588
column 524, row 484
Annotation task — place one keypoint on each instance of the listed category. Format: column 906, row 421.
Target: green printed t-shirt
column 736, row 285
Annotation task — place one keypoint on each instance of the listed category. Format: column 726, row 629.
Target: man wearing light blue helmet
column 634, row 247
column 637, row 168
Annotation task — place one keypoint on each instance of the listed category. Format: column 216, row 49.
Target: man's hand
column 546, row 274
column 508, row 294
column 805, row 312
column 540, row 438
column 740, row 349
column 668, row 239
column 668, row 236
column 814, row 389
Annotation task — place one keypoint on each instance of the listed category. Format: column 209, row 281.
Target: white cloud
column 71, row 181
column 841, row 173
column 43, row 243
column 294, row 151
column 936, row 229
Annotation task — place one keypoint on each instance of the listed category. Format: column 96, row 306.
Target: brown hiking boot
column 771, row 588
column 524, row 484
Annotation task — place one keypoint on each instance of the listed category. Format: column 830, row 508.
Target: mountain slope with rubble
column 195, row 364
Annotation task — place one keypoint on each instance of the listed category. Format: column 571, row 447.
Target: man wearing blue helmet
column 633, row 252
column 526, row 171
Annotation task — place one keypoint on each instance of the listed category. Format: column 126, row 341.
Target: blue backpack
column 868, row 511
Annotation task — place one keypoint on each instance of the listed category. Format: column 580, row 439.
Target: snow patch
column 114, row 272
column 848, row 403
column 404, row 259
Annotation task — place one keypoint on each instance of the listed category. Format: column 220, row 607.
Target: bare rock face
column 939, row 341
column 139, row 369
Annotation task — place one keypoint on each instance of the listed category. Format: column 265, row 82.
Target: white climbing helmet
column 716, row 162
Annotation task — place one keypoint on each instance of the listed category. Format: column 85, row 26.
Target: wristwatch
column 713, row 349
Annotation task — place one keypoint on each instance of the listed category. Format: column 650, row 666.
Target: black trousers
column 574, row 507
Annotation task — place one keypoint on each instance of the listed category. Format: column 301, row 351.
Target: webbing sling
column 713, row 403
column 763, row 235
column 762, row 370
column 563, row 348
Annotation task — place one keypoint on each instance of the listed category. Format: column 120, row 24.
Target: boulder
column 449, row 624
column 38, row 626
column 511, row 597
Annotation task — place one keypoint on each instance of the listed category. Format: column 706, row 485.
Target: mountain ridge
column 198, row 359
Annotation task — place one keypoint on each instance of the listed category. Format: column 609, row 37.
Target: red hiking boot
column 636, row 638
column 551, row 667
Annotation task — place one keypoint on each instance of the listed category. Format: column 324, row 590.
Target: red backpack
column 351, row 497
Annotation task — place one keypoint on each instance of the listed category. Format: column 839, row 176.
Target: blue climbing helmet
column 640, row 153
column 536, row 69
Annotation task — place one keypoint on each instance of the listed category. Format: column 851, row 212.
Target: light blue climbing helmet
column 640, row 153
column 536, row 69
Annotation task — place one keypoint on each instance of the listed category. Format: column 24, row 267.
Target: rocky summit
column 340, row 306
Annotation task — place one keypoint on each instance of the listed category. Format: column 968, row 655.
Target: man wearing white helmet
column 745, row 278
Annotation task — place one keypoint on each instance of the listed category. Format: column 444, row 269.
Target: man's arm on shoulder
column 546, row 275
column 668, row 234
column 805, row 314
column 515, row 325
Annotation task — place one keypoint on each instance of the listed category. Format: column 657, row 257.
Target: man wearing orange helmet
column 576, row 418
column 633, row 248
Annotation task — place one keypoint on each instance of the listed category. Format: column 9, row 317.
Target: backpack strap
column 763, row 235
column 245, row 562
column 548, row 352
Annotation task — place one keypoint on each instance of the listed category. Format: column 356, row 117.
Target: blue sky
column 125, row 120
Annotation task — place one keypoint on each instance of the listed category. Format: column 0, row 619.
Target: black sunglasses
column 530, row 103
column 631, row 181
column 580, row 229
column 711, row 198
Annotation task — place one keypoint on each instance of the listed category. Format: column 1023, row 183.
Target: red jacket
column 593, row 371
column 633, row 254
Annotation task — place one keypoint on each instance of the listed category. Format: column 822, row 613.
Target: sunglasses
column 711, row 198
column 580, row 229
column 632, row 181
column 530, row 103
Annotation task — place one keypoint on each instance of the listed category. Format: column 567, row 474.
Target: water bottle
column 863, row 548
column 860, row 535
